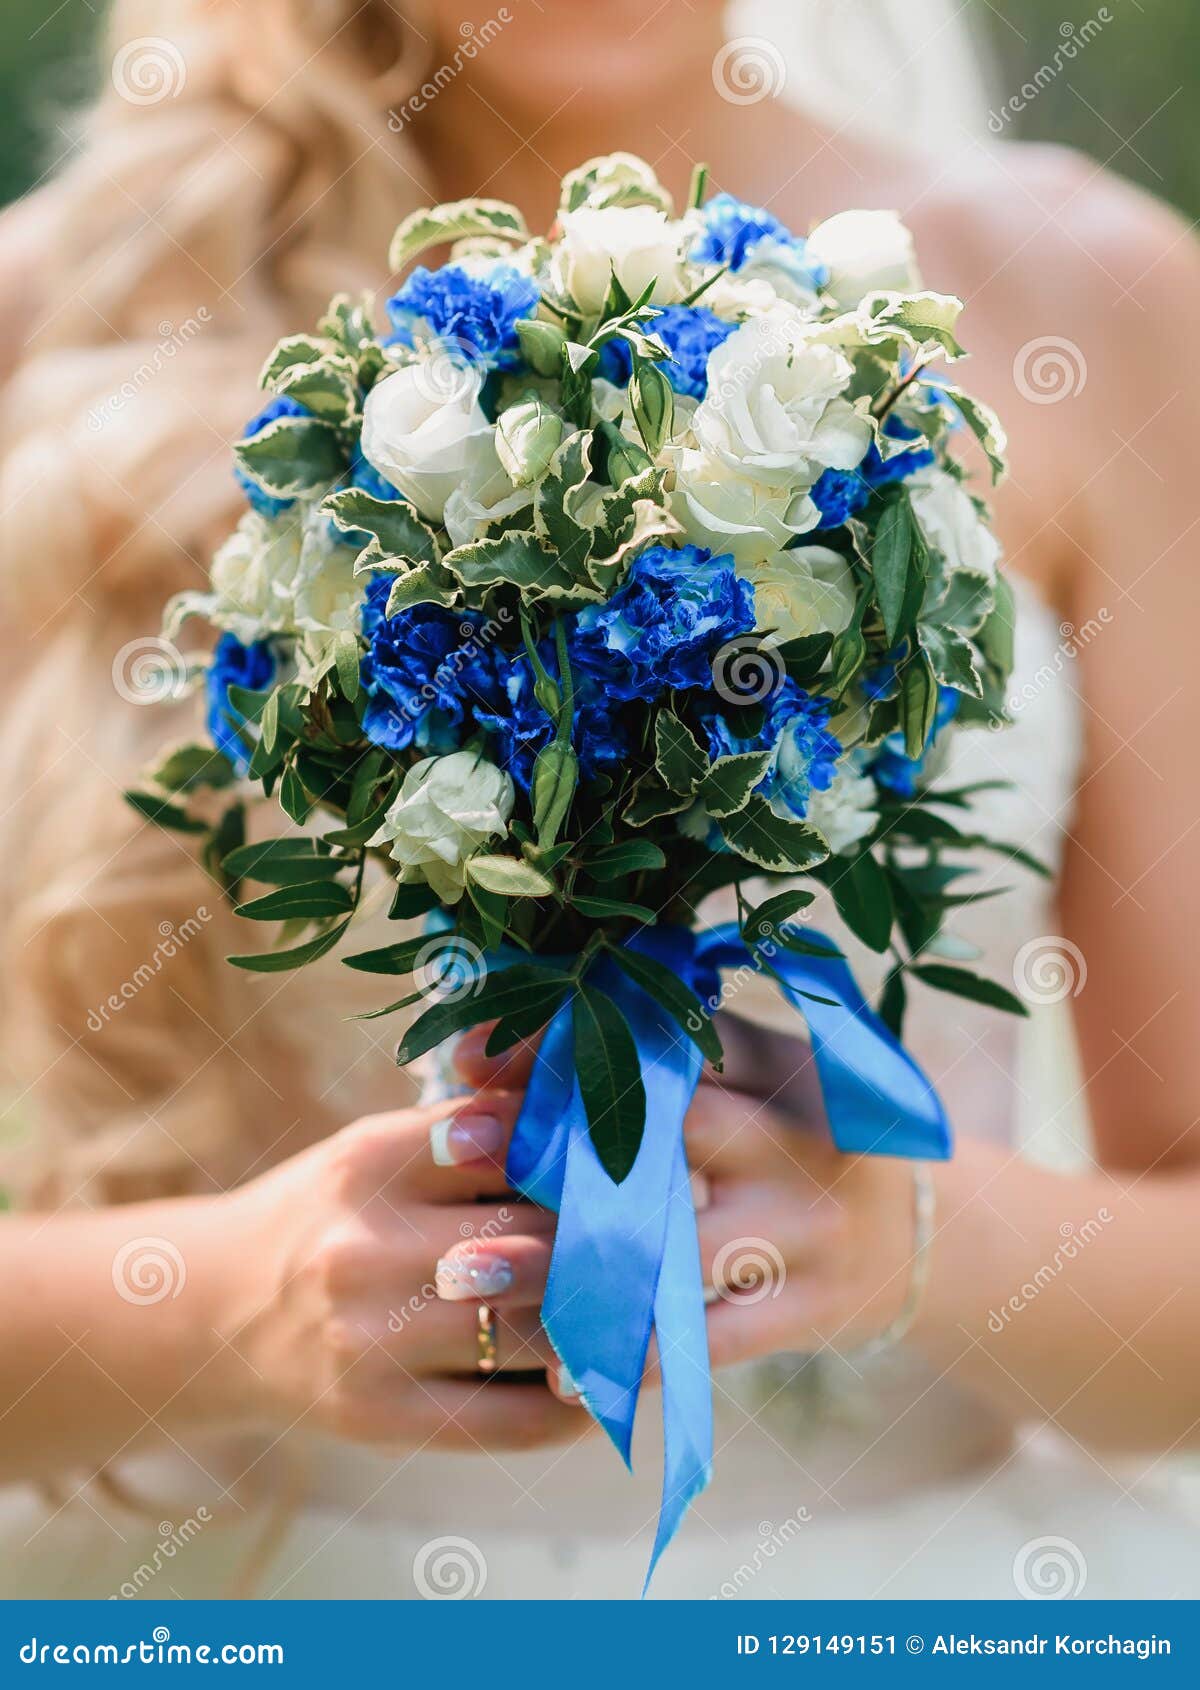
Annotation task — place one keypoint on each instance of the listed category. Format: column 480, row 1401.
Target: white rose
column 288, row 574
column 863, row 251
column 733, row 513
column 845, row 812
column 484, row 493
column 807, row 590
column 418, row 425
column 447, row 808
column 774, row 410
column 785, row 268
column 950, row 523
column 637, row 243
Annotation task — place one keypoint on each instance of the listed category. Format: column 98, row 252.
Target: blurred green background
column 1127, row 97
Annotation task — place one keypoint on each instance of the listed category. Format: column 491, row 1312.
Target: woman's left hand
column 804, row 1247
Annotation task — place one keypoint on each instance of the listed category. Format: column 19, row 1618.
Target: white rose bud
column 806, row 590
column 447, row 809
column 864, row 251
column 418, row 425
column 637, row 243
column 845, row 812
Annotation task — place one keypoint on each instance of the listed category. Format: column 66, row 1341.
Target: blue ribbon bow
column 626, row 1260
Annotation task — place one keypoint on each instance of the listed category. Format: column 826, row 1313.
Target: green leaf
column 762, row 837
column 428, row 583
column 652, row 803
column 511, row 877
column 610, row 1081
column 292, row 455
column 541, row 345
column 896, row 560
column 628, row 856
column 393, row 522
column 601, row 909
column 864, row 900
column 282, row 862
column 515, row 559
column 952, row 658
column 848, row 654
column 293, row 350
column 774, row 914
column 562, row 490
column 997, row 636
column 392, row 959
column 964, row 984
column 279, row 962
column 293, row 797
column 984, row 424
column 730, row 781
column 162, row 814
column 411, row 901
column 439, row 224
column 345, row 656
column 188, row 768
column 678, row 755
column 311, row 899
column 505, row 992
column 555, row 775
column 679, row 1001
column 892, row 1002
column 918, row 702
column 325, row 388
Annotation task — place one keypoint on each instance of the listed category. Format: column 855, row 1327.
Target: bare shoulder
column 1025, row 222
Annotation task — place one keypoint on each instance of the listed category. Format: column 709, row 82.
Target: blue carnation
column 689, row 332
column 879, row 471
column 234, row 664
column 265, row 503
column 477, row 314
column 733, row 229
column 519, row 728
column 795, row 730
column 839, row 494
column 661, row 629
column 893, row 769
column 423, row 670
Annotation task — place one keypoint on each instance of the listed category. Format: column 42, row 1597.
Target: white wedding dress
column 845, row 1479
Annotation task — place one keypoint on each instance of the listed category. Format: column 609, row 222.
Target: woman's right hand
column 359, row 1267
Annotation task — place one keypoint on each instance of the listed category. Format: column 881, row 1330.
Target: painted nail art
column 566, row 1385
column 464, row 1138
column 472, row 1276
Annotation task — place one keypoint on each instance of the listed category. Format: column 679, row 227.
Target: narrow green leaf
column 162, row 814
column 602, row 909
column 679, row 1001
column 511, row 877
column 628, row 856
column 864, row 900
column 610, row 1081
column 311, row 899
column 345, row 656
column 964, row 984
column 279, row 962
column 505, row 992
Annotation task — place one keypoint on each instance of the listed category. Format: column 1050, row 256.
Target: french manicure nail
column 472, row 1277
column 566, row 1385
column 701, row 1192
column 464, row 1138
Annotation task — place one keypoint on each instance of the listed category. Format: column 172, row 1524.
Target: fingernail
column 464, row 1138
column 566, row 1385
column 472, row 1277
column 701, row 1192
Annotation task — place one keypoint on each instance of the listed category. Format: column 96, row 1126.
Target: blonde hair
column 191, row 229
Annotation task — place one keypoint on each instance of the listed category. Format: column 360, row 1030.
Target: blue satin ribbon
column 626, row 1260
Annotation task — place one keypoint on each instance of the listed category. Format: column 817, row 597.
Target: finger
column 504, row 1272
column 729, row 1133
column 776, row 1067
column 451, row 1151
column 496, row 1416
column 509, row 1070
column 427, row 1336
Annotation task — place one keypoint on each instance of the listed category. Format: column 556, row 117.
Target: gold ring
column 485, row 1340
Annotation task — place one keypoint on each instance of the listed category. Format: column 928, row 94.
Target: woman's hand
column 360, row 1267
column 804, row 1247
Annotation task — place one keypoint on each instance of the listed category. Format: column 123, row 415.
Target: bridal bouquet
column 620, row 567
